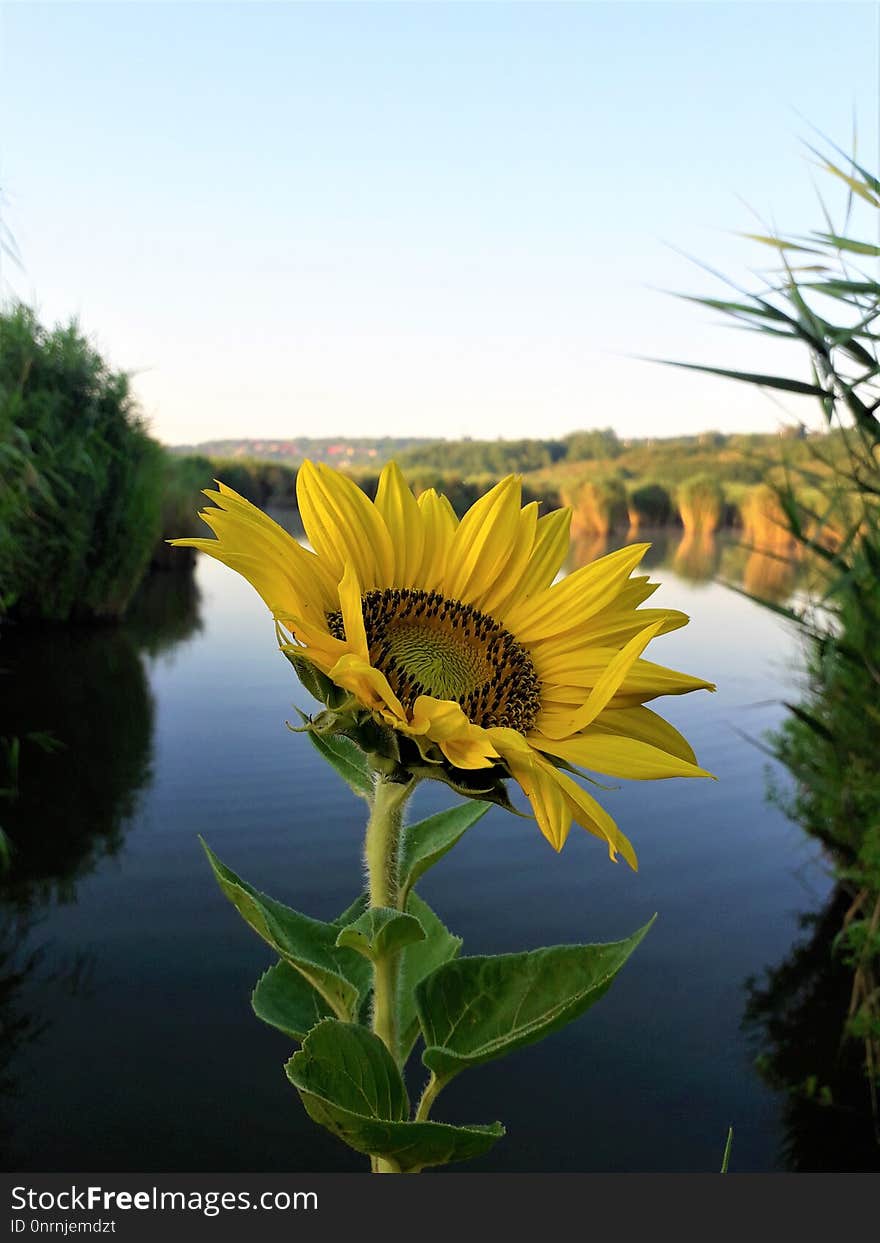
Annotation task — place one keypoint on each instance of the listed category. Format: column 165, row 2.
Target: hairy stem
column 381, row 851
column 430, row 1094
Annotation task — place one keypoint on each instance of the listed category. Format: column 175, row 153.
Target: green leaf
column 347, row 758
column 283, row 998
column 477, row 1009
column 848, row 244
column 340, row 976
column 349, row 1083
column 428, row 841
column 418, row 961
column 379, row 931
column 353, row 912
column 778, row 243
column 764, row 381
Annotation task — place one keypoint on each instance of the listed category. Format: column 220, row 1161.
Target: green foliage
column 650, row 505
column 349, row 1077
column 339, row 975
column 493, row 458
column 80, row 480
column 589, row 446
column 264, row 484
column 598, row 505
column 827, row 503
column 474, row 1010
column 350, row 1084
column 285, row 999
column 418, row 961
column 425, row 843
column 380, row 931
column 343, row 755
column 184, row 480
column 700, row 501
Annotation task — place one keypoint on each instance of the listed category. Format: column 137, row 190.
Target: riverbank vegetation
column 824, row 295
column 80, row 480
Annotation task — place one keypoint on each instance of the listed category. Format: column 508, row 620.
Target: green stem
column 383, row 839
column 381, row 854
column 433, row 1088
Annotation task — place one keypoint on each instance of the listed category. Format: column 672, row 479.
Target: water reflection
column 796, row 1017
column 95, row 690
column 86, row 688
column 697, row 557
column 164, row 613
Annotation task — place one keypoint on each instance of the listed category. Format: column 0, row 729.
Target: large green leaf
column 346, row 757
column 349, row 1083
column 475, row 1009
column 285, row 999
column 428, row 841
column 417, row 962
column 340, row 976
column 380, row 931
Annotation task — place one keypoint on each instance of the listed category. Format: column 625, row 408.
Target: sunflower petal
column 484, row 542
column 548, row 554
column 403, row 518
column 343, row 526
column 645, row 680
column 506, row 584
column 607, row 684
column 353, row 613
column 440, row 524
column 576, row 598
column 370, row 685
column 596, row 820
column 616, row 756
column 442, row 720
column 648, row 727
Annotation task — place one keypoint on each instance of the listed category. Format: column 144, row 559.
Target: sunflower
column 455, row 637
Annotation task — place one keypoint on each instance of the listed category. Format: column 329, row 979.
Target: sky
column 433, row 219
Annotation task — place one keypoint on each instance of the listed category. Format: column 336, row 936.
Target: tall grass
column 649, row 505
column 824, row 295
column 80, row 479
column 597, row 506
column 700, row 501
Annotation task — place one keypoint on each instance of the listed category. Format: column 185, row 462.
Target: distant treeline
column 87, row 498
column 336, row 451
column 698, row 482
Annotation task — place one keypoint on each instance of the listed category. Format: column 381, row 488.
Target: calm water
column 128, row 1040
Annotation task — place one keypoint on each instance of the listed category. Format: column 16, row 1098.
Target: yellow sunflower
column 456, row 636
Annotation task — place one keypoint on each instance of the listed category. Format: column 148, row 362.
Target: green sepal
column 340, row 976
column 476, row 1009
column 343, row 755
column 349, row 1083
column 418, row 961
column 486, row 785
column 315, row 682
column 425, row 843
column 379, row 931
column 285, row 999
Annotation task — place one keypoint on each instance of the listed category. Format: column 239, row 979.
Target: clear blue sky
column 416, row 218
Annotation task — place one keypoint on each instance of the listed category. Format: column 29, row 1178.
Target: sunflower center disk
column 428, row 645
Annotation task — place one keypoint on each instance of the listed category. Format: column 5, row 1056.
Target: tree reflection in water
column 88, row 689
column 796, row 1016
